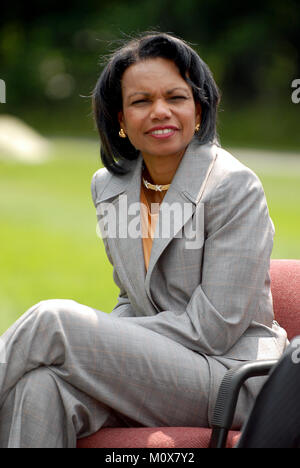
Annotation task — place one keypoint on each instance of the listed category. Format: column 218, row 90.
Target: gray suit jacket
column 211, row 293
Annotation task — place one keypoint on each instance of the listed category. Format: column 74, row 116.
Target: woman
column 187, row 229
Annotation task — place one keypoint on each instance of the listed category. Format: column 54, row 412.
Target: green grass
column 48, row 233
column 280, row 177
column 49, row 247
column 274, row 125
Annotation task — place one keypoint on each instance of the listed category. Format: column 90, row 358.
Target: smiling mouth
column 162, row 133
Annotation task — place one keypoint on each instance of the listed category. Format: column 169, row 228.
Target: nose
column 160, row 110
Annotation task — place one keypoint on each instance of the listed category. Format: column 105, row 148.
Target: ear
column 121, row 120
column 198, row 113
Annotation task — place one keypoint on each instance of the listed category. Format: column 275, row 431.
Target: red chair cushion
column 285, row 285
column 149, row 437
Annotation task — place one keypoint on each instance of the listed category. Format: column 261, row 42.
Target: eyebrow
column 170, row 91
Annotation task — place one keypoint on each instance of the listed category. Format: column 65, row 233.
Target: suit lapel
column 182, row 197
column 122, row 194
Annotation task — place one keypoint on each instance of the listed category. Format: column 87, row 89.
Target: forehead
column 152, row 74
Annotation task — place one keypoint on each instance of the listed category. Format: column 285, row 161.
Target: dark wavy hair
column 107, row 95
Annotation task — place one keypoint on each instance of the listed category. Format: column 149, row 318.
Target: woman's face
column 159, row 112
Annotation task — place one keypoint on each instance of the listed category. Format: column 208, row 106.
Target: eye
column 139, row 101
column 178, row 98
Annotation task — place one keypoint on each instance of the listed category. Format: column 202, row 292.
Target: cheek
column 131, row 124
column 190, row 123
column 131, row 119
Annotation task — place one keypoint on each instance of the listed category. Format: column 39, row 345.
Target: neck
column 161, row 170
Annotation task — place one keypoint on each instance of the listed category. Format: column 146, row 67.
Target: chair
column 285, row 284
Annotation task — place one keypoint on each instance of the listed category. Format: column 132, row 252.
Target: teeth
column 162, row 132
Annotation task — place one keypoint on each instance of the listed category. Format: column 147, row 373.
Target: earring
column 197, row 128
column 122, row 134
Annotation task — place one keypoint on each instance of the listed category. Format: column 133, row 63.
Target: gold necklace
column 157, row 188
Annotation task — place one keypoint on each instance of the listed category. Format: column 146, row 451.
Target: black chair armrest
column 228, row 396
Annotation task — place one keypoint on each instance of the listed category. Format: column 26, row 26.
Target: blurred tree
column 49, row 50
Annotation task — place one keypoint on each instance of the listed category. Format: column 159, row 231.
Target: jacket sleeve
column 236, row 258
column 123, row 307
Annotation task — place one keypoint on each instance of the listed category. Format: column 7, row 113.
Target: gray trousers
column 71, row 370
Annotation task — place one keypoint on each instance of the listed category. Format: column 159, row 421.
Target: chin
column 165, row 150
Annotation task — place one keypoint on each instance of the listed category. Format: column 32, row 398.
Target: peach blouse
column 148, row 224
